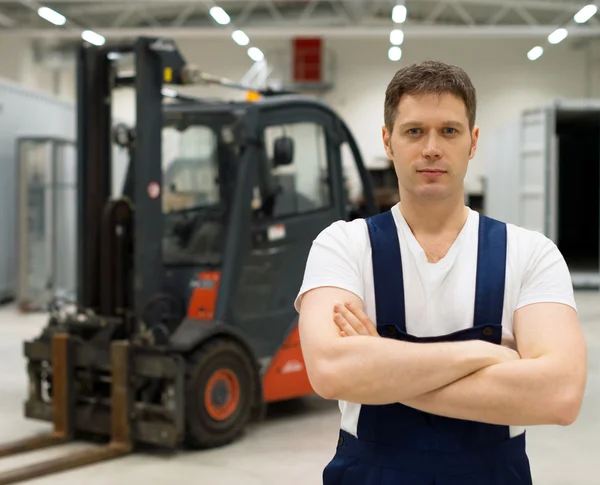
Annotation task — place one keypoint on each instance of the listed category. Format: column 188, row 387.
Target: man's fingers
column 344, row 325
column 363, row 318
column 352, row 319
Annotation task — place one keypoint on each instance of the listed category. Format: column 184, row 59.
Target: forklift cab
column 246, row 189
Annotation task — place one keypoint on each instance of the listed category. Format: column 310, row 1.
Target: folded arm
column 375, row 370
column 545, row 387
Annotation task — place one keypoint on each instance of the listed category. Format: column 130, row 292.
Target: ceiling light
column 558, row 36
column 535, row 53
column 395, row 53
column 92, row 37
column 585, row 14
column 396, row 37
column 399, row 14
column 255, row 54
column 240, row 37
column 219, row 15
column 52, row 16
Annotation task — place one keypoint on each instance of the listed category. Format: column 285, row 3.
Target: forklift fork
column 63, row 404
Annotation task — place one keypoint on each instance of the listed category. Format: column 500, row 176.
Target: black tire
column 218, row 358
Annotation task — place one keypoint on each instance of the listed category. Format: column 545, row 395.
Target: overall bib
column 399, row 445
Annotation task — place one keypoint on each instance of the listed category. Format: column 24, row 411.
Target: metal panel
column 47, row 218
column 65, row 226
column 35, row 218
column 501, row 166
column 535, row 155
column 23, row 112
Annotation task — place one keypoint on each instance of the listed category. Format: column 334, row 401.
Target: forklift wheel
column 220, row 393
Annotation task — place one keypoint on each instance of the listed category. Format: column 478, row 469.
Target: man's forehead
column 444, row 106
column 439, row 99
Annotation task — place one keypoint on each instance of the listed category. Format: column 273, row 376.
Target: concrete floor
column 295, row 442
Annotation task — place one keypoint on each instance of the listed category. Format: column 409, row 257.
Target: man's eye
column 450, row 131
column 413, row 131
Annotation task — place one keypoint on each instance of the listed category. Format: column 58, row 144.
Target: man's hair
column 429, row 77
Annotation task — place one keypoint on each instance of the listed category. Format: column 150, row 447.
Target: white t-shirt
column 439, row 297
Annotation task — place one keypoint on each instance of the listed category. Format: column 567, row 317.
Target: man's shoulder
column 526, row 246
column 540, row 270
column 523, row 238
column 526, row 239
column 344, row 232
column 529, row 249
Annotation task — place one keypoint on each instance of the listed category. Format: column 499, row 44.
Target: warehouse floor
column 295, row 442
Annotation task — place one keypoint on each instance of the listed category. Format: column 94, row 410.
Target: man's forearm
column 382, row 371
column 526, row 392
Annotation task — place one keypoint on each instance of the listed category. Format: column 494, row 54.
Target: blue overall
column 399, row 445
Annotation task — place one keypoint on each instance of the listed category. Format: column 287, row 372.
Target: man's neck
column 434, row 217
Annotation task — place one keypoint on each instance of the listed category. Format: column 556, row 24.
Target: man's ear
column 387, row 141
column 474, row 141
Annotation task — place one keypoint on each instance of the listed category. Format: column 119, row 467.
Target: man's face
column 431, row 145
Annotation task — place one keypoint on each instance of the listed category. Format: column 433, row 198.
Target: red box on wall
column 307, row 59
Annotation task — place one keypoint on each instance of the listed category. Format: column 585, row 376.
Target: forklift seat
column 190, row 182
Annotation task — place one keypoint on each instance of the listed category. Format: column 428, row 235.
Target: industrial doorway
column 578, row 189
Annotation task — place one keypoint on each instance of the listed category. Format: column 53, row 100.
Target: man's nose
column 432, row 151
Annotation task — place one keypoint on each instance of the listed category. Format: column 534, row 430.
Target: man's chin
column 433, row 192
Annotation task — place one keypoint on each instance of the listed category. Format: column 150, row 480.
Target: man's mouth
column 431, row 172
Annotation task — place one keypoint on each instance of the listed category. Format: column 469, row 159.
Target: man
column 481, row 335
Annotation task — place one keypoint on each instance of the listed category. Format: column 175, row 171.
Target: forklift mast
column 156, row 62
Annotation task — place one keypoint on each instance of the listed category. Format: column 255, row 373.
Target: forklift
column 184, row 327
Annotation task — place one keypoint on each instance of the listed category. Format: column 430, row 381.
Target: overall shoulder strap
column 491, row 272
column 387, row 270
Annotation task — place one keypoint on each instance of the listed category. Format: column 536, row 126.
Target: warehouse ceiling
column 287, row 18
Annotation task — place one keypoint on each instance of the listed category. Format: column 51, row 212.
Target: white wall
column 507, row 82
column 20, row 63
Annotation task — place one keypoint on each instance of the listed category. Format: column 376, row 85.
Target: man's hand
column 353, row 321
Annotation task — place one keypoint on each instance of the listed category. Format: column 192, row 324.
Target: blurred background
column 536, row 67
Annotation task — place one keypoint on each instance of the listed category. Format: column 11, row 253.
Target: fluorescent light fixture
column 585, row 14
column 396, row 37
column 255, row 54
column 558, row 36
column 113, row 56
column 240, row 37
column 51, row 16
column 92, row 37
column 219, row 15
column 535, row 53
column 399, row 14
column 395, row 53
